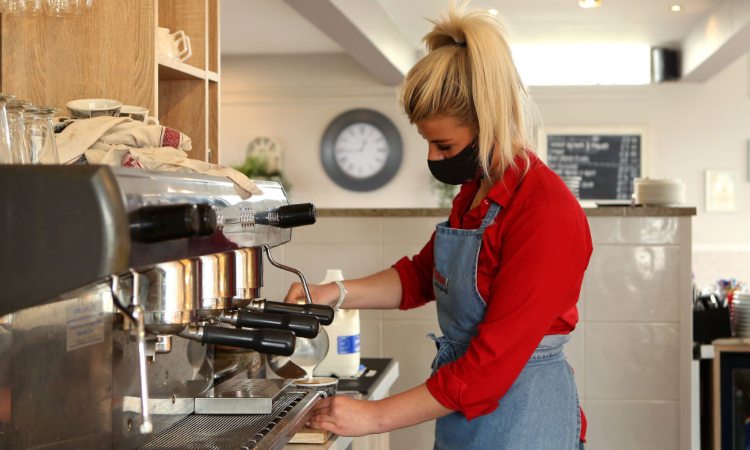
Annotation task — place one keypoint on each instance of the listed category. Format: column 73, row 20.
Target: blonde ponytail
column 468, row 73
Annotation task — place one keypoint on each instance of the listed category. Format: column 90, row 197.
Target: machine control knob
column 288, row 216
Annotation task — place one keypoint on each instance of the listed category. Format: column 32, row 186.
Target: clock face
column 361, row 150
column 267, row 148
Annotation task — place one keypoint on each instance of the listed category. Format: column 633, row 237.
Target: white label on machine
column 85, row 324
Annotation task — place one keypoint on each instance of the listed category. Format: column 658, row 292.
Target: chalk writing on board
column 606, row 163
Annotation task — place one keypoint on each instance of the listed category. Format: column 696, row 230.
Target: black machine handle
column 288, row 216
column 276, row 342
column 325, row 314
column 165, row 222
column 299, row 324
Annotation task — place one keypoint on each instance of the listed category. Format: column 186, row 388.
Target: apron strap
column 490, row 216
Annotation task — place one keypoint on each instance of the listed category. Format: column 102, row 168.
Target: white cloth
column 121, row 141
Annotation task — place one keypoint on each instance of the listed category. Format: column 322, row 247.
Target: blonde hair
column 469, row 74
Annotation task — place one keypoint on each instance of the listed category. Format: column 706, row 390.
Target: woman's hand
column 346, row 416
column 321, row 294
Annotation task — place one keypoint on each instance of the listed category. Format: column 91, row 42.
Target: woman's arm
column 381, row 290
column 345, row 416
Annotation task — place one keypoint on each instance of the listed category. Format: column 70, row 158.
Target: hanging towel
column 121, row 141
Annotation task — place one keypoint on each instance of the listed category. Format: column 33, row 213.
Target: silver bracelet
column 342, row 295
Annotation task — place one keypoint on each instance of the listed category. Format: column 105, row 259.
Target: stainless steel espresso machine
column 117, row 285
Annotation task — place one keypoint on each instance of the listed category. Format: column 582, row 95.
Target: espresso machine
column 117, row 287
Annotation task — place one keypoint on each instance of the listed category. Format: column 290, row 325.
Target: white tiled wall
column 636, row 334
column 630, row 351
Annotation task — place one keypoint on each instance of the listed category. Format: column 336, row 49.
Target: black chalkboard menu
column 606, row 163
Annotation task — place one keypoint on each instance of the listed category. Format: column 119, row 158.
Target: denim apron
column 540, row 410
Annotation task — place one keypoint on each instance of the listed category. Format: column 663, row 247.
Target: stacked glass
column 26, row 133
column 53, row 8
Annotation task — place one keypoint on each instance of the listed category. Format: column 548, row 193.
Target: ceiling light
column 675, row 8
column 492, row 11
column 589, row 3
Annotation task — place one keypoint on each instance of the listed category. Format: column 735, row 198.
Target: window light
column 583, row 64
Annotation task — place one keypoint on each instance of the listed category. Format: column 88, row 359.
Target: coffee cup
column 326, row 385
column 134, row 112
column 138, row 113
column 174, row 45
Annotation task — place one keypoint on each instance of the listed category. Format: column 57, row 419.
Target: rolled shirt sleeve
column 416, row 277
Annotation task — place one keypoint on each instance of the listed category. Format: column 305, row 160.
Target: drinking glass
column 18, row 146
column 67, row 8
column 23, row 7
column 40, row 135
column 6, row 157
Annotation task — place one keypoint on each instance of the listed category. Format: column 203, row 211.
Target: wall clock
column 268, row 149
column 361, row 150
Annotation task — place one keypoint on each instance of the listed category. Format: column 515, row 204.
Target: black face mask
column 458, row 169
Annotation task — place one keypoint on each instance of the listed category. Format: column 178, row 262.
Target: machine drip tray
column 239, row 431
column 241, row 396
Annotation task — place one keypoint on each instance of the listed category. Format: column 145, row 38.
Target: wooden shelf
column 88, row 58
column 169, row 69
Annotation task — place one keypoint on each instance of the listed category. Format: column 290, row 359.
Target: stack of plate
column 741, row 313
column 574, row 184
column 654, row 192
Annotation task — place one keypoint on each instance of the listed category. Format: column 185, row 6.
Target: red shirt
column 529, row 273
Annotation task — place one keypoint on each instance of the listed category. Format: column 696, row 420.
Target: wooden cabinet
column 112, row 52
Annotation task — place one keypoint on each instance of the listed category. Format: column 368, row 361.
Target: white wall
column 690, row 128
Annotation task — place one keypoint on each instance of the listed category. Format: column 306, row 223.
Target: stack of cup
column 741, row 314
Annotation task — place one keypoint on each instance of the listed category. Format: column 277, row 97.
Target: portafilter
column 217, row 284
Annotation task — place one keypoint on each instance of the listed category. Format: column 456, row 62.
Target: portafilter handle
column 306, row 326
column 275, row 342
column 323, row 313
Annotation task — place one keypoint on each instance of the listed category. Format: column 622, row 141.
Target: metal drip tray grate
column 236, row 431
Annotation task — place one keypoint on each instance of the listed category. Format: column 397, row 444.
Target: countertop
column 600, row 211
column 377, row 390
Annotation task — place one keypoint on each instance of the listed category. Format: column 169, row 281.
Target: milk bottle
column 343, row 352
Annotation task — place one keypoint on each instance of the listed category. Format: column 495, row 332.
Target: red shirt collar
column 503, row 189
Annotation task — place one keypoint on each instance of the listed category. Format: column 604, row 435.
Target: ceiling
column 273, row 27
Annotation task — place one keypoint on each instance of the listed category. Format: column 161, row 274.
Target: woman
column 505, row 269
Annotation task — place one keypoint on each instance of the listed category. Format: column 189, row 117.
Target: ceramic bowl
column 93, row 107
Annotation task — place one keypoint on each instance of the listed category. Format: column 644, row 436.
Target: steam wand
column 135, row 313
column 267, row 249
